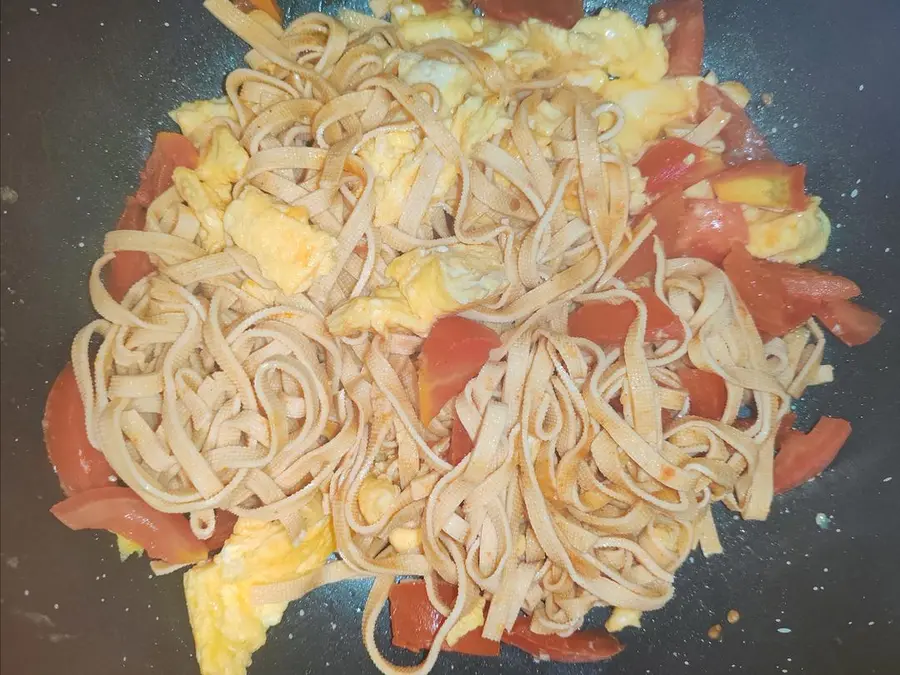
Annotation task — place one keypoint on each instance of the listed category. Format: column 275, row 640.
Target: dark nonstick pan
column 84, row 87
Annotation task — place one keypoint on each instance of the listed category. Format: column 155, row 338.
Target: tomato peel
column 562, row 13
column 743, row 141
column 685, row 41
column 452, row 354
column 707, row 392
column 676, row 164
column 165, row 536
column 415, row 622
column 605, row 323
column 804, row 456
column 587, row 645
column 78, row 464
column 851, row 324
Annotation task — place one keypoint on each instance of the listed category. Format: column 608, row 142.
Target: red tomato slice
column 270, row 7
column 415, row 622
column 460, row 442
column 128, row 266
column 640, row 263
column 225, row 521
column 804, row 456
column 769, row 184
column 676, row 164
column 584, row 646
column 785, row 428
column 165, row 536
column 685, row 41
column 707, row 392
column 170, row 150
column 707, row 229
column 606, row 323
column 668, row 211
column 759, row 283
column 452, row 354
column 852, row 324
column 813, row 284
column 743, row 141
column 78, row 464
column 562, row 13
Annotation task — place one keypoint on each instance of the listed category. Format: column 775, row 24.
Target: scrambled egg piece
column 290, row 251
column 395, row 164
column 622, row 618
column 376, row 496
column 611, row 40
column 207, row 205
column 611, row 43
column 396, row 156
column 444, row 279
column 227, row 627
column 385, row 310
column 792, row 238
column 405, row 539
column 222, row 163
column 127, row 548
column 648, row 108
column 453, row 25
column 207, row 189
column 192, row 115
column 385, row 152
column 474, row 619
column 453, row 80
column 428, row 283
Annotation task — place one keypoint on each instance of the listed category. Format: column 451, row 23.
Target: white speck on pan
column 886, row 480
column 854, row 193
column 823, row 521
column 784, row 630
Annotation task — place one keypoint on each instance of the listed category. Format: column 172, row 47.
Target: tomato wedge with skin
column 781, row 296
column 818, row 285
column 415, row 622
column 606, row 323
column 743, row 141
column 78, row 464
column 707, row 392
column 851, row 324
column 759, row 283
column 128, row 267
column 461, row 443
column 225, row 522
column 688, row 31
column 583, row 646
column 674, row 164
column 562, row 13
column 706, row 228
column 804, row 456
column 452, row 354
column 165, row 536
column 270, row 7
column 170, row 150
column 768, row 184
column 785, row 427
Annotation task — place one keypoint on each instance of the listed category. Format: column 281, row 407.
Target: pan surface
column 84, row 88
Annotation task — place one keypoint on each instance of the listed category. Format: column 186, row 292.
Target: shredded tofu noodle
column 214, row 389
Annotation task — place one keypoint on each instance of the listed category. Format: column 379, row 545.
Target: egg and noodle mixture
column 361, row 178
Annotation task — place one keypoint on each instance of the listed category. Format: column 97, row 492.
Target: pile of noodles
column 576, row 495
